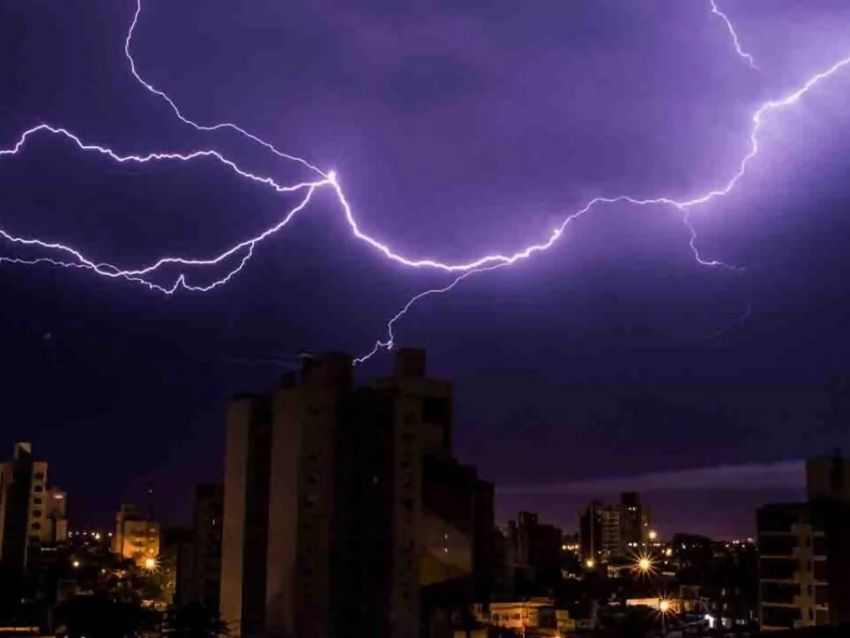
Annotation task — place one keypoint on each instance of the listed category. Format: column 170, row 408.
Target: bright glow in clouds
column 234, row 258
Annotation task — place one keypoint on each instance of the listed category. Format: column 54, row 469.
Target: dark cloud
column 746, row 477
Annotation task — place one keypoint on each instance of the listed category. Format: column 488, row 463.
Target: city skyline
column 463, row 132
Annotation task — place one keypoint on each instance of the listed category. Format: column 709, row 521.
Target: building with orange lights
column 31, row 513
column 136, row 536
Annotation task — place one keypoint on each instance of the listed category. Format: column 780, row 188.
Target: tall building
column 634, row 523
column 30, row 513
column 136, row 536
column 611, row 532
column 601, row 540
column 303, row 469
column 246, row 512
column 534, row 553
column 175, row 565
column 368, row 515
column 804, row 552
column 206, row 569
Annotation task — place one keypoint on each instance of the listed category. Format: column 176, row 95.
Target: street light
column 643, row 565
column 665, row 607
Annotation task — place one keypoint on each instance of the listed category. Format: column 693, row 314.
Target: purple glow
column 244, row 249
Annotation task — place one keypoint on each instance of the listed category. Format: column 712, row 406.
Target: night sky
column 456, row 130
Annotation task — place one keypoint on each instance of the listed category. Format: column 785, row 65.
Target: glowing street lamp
column 150, row 564
column 665, row 607
column 643, row 565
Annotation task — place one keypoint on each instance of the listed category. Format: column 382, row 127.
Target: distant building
column 30, row 513
column 804, row 552
column 534, row 552
column 693, row 552
column 610, row 532
column 537, row 615
column 601, row 540
column 534, row 616
column 344, row 511
column 634, row 523
column 136, row 536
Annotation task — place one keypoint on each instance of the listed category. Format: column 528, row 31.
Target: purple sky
column 456, row 130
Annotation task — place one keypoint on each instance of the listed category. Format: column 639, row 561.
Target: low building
column 537, row 615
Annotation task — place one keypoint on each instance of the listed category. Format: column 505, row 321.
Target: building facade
column 207, row 529
column 611, row 532
column 634, row 523
column 367, row 514
column 601, row 540
column 533, row 554
column 137, row 536
column 245, row 515
column 31, row 513
column 804, row 552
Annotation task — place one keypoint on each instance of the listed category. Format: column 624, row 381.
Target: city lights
column 343, row 504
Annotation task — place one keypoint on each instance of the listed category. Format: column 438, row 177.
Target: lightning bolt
column 733, row 35
column 240, row 253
